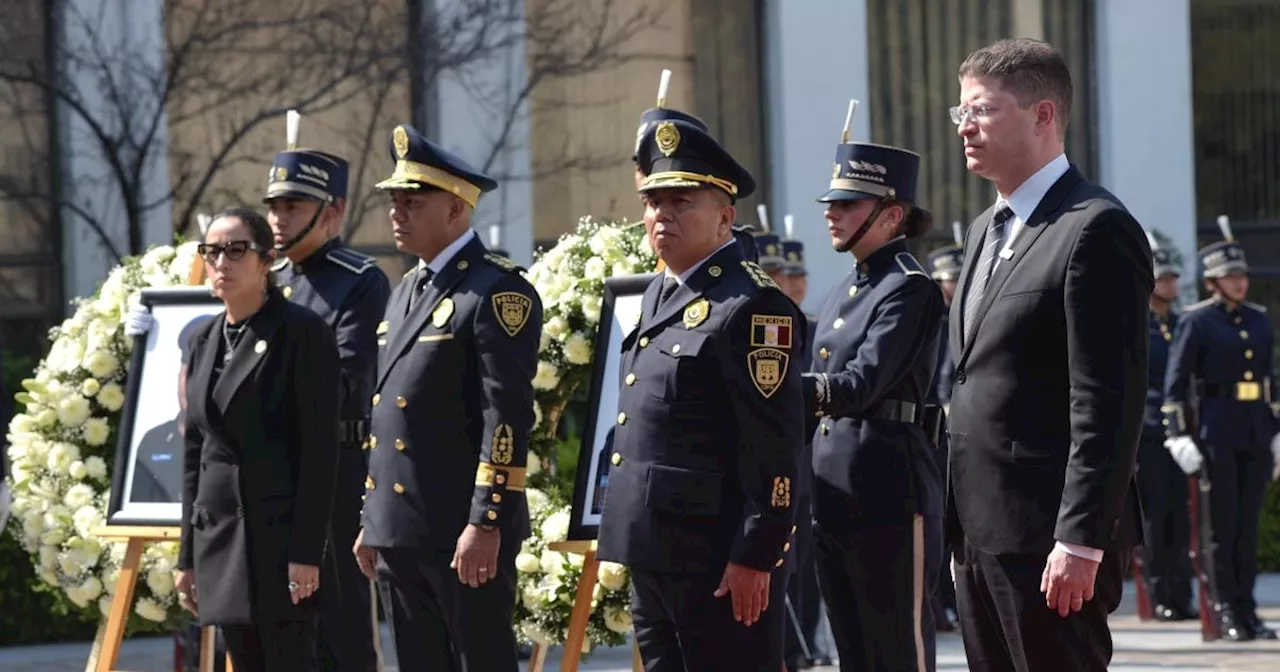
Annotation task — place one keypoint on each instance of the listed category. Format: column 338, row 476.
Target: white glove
column 139, row 320
column 1275, row 457
column 1184, row 452
column 4, row 504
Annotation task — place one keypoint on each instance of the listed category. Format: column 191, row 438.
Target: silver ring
column 311, row 586
column 293, row 585
column 484, row 569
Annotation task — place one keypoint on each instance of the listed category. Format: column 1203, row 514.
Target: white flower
column 591, row 309
column 160, row 582
column 62, row 455
column 97, row 467
column 48, row 557
column 104, row 604
column 73, row 410
column 78, row 470
column 594, row 269
column 527, row 563
column 544, row 340
column 556, row 527
column 101, row 363
column 534, row 465
column 150, row 610
column 577, row 349
column 70, row 566
column 86, row 518
column 552, row 563
column 621, row 268
column 90, row 387
column 96, row 431
column 47, row 418
column 91, row 588
column 547, row 376
column 22, row 424
column 617, row 619
column 537, row 416
column 78, row 495
column 111, row 396
column 537, row 501
column 555, row 326
column 612, row 575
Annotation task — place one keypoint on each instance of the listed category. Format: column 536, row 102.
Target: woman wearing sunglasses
column 261, row 448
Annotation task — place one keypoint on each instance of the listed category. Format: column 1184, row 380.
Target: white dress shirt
column 1023, row 201
column 683, row 277
column 447, row 254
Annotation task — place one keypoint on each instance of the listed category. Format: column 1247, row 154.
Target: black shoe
column 1257, row 627
column 1168, row 613
column 1234, row 628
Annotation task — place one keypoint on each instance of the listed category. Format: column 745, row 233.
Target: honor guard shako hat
column 793, row 250
column 423, row 165
column 306, row 173
column 1225, row 257
column 1162, row 261
column 768, row 244
column 945, row 262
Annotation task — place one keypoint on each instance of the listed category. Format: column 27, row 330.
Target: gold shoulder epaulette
column 909, row 264
column 1256, row 306
column 1201, row 304
column 503, row 262
column 351, row 260
column 759, row 275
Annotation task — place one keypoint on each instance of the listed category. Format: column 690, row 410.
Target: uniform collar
column 684, row 277
column 448, row 253
column 1026, row 198
column 882, row 260
column 312, row 259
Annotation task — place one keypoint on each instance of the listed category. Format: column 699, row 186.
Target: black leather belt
column 895, row 411
column 352, row 431
column 1244, row 390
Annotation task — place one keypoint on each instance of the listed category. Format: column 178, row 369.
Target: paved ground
column 1139, row 647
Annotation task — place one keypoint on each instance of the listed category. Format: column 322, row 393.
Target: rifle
column 1146, row 611
column 1198, row 496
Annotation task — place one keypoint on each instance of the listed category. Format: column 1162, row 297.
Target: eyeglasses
column 235, row 250
column 959, row 114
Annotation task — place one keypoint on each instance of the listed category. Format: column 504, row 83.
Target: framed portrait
column 146, row 484
column 619, row 315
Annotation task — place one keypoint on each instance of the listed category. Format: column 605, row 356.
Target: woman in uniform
column 261, row 447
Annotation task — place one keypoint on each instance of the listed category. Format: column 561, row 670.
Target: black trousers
column 877, row 580
column 286, row 646
column 802, row 589
column 440, row 624
column 346, row 626
column 681, row 626
column 1166, row 524
column 1239, row 476
column 1007, row 627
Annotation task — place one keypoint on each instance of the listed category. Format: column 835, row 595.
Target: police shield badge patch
column 768, row 366
column 512, row 310
column 440, row 316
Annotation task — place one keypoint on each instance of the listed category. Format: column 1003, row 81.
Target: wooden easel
column 581, row 613
column 112, row 635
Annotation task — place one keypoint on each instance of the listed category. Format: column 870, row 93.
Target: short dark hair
column 1029, row 69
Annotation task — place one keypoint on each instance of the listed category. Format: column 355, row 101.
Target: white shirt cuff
column 1078, row 551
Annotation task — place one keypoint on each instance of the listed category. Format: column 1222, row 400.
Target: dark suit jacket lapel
column 198, row 392
column 254, row 344
column 692, row 289
column 406, row 332
column 1027, row 236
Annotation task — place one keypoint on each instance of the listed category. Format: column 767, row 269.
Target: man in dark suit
column 877, row 490
column 1049, row 336
column 445, row 512
column 306, row 198
column 1166, row 560
column 700, row 500
column 1218, row 385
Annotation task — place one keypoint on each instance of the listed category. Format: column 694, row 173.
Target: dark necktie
column 669, row 287
column 982, row 271
column 424, row 279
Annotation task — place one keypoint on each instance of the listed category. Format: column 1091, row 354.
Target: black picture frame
column 176, row 311
column 619, row 315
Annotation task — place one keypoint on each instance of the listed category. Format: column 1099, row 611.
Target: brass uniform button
column 496, row 498
column 853, row 290
column 675, row 348
column 492, row 515
column 462, row 265
column 622, row 418
column 499, row 479
column 616, row 459
column 1248, row 375
column 376, row 399
column 644, row 341
column 1244, row 334
column 369, row 484
column 400, row 444
column 287, row 291
column 778, row 563
column 786, row 547
column 794, row 528
column 373, row 442
column 401, row 402
column 838, row 323
column 631, row 379
column 1248, row 354
column 714, row 271
column 398, row 488
column 824, row 353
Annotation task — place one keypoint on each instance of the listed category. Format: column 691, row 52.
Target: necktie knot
column 424, row 279
column 669, row 287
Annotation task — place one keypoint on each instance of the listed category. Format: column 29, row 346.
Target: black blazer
column 1046, row 410
column 260, row 462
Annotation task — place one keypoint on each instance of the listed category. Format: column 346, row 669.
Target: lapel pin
column 260, row 347
column 1006, row 254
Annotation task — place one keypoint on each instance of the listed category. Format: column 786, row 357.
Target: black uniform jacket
column 261, row 455
column 876, row 349
column 1047, row 406
column 349, row 291
column 1160, row 337
column 710, row 424
column 453, row 406
column 1222, row 358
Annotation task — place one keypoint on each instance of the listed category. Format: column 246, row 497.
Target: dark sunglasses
column 235, row 250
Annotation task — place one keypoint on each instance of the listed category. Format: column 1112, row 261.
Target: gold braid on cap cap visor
column 409, row 174
column 675, row 179
column 850, row 184
column 278, row 189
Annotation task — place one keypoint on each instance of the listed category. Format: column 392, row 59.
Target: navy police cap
column 653, row 115
column 421, row 164
column 676, row 154
column 865, row 170
column 793, row 251
column 945, row 262
column 770, row 248
column 307, row 173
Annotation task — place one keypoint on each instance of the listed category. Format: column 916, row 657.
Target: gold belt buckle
column 1248, row 391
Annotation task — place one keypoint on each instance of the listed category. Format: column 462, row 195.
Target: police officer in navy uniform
column 1221, row 355
column 1161, row 484
column 944, row 267
column 700, row 502
column 877, row 488
column 445, row 512
column 306, row 201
